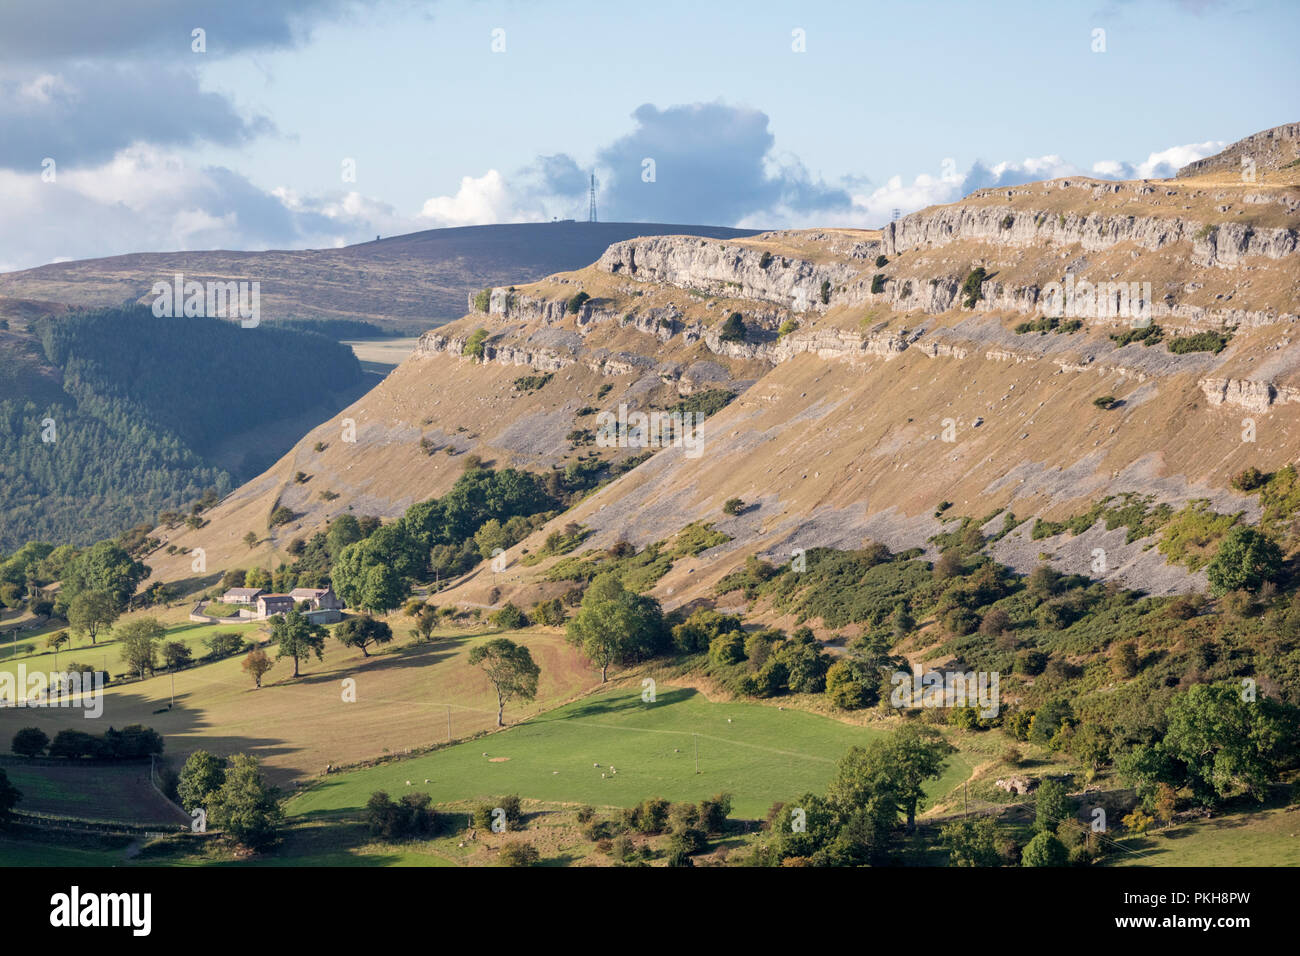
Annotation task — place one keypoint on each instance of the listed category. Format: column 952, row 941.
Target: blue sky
column 888, row 106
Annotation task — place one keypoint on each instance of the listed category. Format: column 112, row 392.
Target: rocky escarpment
column 797, row 286
column 1222, row 245
column 720, row 268
column 1253, row 396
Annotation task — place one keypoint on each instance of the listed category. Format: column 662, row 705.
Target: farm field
column 1264, row 838
column 759, row 753
column 404, row 696
column 102, row 792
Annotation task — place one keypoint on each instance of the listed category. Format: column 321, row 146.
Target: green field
column 107, row 654
column 1264, row 838
column 760, row 754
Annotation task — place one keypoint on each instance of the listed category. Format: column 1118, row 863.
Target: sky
column 317, row 123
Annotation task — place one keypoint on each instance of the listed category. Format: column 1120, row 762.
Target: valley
column 909, row 465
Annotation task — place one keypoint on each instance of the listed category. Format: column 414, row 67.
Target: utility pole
column 448, row 723
column 696, row 738
column 965, row 789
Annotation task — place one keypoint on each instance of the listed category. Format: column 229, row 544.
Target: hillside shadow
column 611, row 707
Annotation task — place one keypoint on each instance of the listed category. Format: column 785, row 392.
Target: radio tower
column 591, row 215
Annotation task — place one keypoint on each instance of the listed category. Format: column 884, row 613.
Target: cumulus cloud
column 1159, row 165
column 82, row 79
column 84, row 113
column 711, row 164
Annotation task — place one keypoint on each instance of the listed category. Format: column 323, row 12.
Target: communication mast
column 591, row 215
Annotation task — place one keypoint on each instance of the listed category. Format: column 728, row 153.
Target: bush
column 826, row 292
column 1246, row 560
column 970, row 289
column 519, row 853
column 509, row 618
column 733, row 329
column 765, row 260
column 733, row 506
column 714, row 812
column 1045, row 850
column 30, row 742
column 549, row 613
column 1214, row 342
column 687, row 841
column 473, row 347
column 1249, row 479
column 960, row 621
column 402, row 820
column 878, row 283
column 576, row 303
column 483, row 300
column 881, row 262
column 1106, row 401
column 727, row 649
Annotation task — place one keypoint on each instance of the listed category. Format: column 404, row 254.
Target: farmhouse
column 269, row 605
column 242, row 596
column 321, row 599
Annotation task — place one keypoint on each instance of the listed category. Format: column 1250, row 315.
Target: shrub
column 878, row 283
column 881, row 262
column 281, row 515
column 995, row 622
column 1246, row 560
column 519, row 853
column 549, row 613
column 788, row 326
column 1045, row 850
column 733, row 506
column 30, row 742
column 1147, row 335
column 765, row 260
column 971, row 289
column 483, row 300
column 1249, row 479
column 826, row 292
column 402, row 820
column 733, row 328
column 1124, row 660
column 1214, row 342
column 687, row 841
column 727, row 649
column 576, row 303
column 1106, row 401
column 473, row 347
column 509, row 618
column 960, row 621
column 714, row 812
